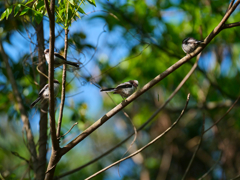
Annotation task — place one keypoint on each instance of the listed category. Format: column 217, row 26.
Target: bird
column 59, row 60
column 190, row 44
column 124, row 89
column 44, row 93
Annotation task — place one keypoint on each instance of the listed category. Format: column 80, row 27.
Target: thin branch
column 63, row 86
column 149, row 85
column 68, row 130
column 225, row 26
column 203, row 176
column 41, row 71
column 230, row 5
column 17, row 155
column 235, row 178
column 20, row 106
column 223, row 115
column 140, row 128
column 195, row 152
column 144, row 147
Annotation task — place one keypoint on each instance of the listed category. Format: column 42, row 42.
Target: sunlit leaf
column 92, row 2
column 24, row 11
column 16, row 9
column 3, row 15
column 8, row 11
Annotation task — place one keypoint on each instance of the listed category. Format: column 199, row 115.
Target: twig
column 140, row 128
column 216, row 163
column 195, row 152
column 134, row 128
column 16, row 154
column 41, row 71
column 225, row 26
column 68, row 130
column 230, row 5
column 63, row 86
column 237, row 177
column 144, row 147
column 223, row 115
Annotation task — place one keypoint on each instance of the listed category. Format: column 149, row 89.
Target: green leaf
column 81, row 10
column 16, row 9
column 8, row 11
column 38, row 17
column 72, row 2
column 24, row 11
column 92, row 2
column 29, row 2
column 3, row 15
column 40, row 5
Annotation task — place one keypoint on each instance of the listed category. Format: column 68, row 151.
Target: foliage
column 145, row 39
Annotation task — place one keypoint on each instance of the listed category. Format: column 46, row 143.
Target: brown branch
column 43, row 123
column 230, row 5
column 140, row 128
column 55, row 143
column 235, row 178
column 149, row 85
column 196, row 150
column 43, row 74
column 225, row 26
column 223, row 115
column 63, row 86
column 68, row 130
column 20, row 107
column 144, row 147
column 203, row 176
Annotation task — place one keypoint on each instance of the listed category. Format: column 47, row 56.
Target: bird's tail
column 72, row 63
column 107, row 89
column 35, row 102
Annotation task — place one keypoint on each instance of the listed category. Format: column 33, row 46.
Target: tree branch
column 144, row 147
column 55, row 143
column 140, row 128
column 203, row 176
column 150, row 84
column 195, row 152
column 43, row 123
column 63, row 86
column 225, row 26
column 20, row 106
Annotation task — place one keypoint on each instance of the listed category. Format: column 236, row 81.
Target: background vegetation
column 117, row 41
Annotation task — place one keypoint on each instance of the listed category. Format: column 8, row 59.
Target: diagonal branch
column 195, row 152
column 150, row 84
column 140, row 128
column 144, row 147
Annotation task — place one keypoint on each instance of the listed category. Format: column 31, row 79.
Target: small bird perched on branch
column 124, row 89
column 44, row 93
column 190, row 44
column 59, row 60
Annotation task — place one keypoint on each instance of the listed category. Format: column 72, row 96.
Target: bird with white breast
column 124, row 89
column 44, row 93
column 59, row 60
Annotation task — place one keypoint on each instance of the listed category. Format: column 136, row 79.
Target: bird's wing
column 59, row 56
column 43, row 89
column 124, row 85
